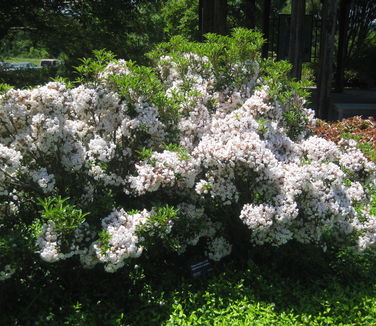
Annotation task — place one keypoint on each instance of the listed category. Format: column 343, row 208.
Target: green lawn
column 19, row 59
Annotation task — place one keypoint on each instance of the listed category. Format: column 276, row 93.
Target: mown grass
column 35, row 61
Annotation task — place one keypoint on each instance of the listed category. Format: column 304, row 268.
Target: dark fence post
column 212, row 17
column 266, row 27
column 343, row 26
column 329, row 15
column 250, row 13
column 296, row 38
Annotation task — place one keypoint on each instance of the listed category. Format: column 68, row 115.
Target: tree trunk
column 265, row 27
column 329, row 15
column 250, row 11
column 220, row 17
column 296, row 38
column 342, row 44
column 212, row 17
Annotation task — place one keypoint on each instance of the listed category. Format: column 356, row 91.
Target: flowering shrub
column 208, row 142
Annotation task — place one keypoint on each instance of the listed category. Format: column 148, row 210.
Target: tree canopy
column 76, row 28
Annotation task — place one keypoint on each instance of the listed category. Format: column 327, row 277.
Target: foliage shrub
column 29, row 77
column 209, row 149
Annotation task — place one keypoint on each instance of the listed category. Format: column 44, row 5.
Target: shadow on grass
column 299, row 282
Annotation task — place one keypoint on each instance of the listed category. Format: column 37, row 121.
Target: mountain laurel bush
column 207, row 141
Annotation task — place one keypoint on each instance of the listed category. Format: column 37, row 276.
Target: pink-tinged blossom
column 162, row 170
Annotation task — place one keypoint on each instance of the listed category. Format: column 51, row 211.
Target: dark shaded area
column 212, row 17
column 295, row 278
column 30, row 77
column 354, row 102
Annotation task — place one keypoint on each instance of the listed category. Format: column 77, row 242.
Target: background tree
column 360, row 43
column 26, row 14
column 75, row 28
column 128, row 28
column 243, row 13
column 180, row 17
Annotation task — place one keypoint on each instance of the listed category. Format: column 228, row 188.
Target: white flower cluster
column 116, row 68
column 218, row 248
column 165, row 169
column 319, row 149
column 10, row 164
column 354, row 161
column 52, row 130
column 367, row 230
column 48, row 242
column 259, row 104
column 123, row 241
column 301, row 183
column 43, row 179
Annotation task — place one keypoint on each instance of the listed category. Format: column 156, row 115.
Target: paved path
column 349, row 103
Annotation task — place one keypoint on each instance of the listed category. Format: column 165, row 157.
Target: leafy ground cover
column 303, row 287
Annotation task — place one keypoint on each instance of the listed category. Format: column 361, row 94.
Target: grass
column 35, row 61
